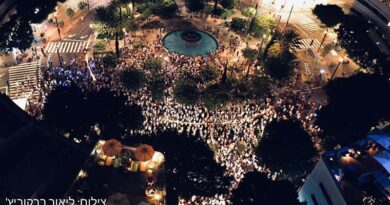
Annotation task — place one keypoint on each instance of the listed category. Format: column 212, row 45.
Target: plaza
column 226, row 76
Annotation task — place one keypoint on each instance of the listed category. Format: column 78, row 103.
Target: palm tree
column 106, row 15
column 290, row 39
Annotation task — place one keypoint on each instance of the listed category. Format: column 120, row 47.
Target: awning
column 383, row 140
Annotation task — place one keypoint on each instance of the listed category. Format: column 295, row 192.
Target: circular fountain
column 190, row 42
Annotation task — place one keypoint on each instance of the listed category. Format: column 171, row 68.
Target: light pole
column 58, row 28
column 261, row 44
column 322, row 41
column 335, row 70
column 288, row 19
column 89, row 9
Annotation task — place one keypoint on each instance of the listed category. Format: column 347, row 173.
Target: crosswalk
column 306, row 43
column 93, row 3
column 24, row 79
column 306, row 23
column 66, row 47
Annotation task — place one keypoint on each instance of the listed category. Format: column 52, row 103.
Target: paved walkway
column 182, row 7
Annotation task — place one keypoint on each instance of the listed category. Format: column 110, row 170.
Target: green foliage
column 327, row 49
column 227, row 13
column 275, row 51
column 262, row 25
column 280, row 62
column 109, row 61
column 195, row 5
column 238, row 24
column 70, row 12
column 285, row 145
column 323, row 13
column 355, row 105
column 228, row 4
column 186, row 92
column 209, row 73
column 153, row 64
column 259, row 86
column 132, row 79
column 249, row 11
column 165, row 7
column 100, row 46
column 82, row 5
column 249, row 53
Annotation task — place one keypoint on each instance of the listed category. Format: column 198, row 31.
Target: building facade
column 353, row 175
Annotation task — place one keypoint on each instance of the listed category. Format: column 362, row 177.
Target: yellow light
column 157, row 197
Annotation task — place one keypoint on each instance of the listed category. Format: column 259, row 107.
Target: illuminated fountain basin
column 190, row 42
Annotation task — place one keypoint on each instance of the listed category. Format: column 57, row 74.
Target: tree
column 259, row 86
column 238, row 24
column 323, row 13
column 352, row 35
column 290, row 39
column 110, row 17
column 165, row 8
column 250, row 54
column 355, row 105
column 70, row 12
column 286, row 146
column 186, row 92
column 280, row 62
column 228, row 4
column 72, row 110
column 65, row 111
column 190, row 165
column 109, row 61
column 195, row 5
column 262, row 25
column 249, row 11
column 82, row 5
column 132, row 79
column 16, row 33
column 208, row 73
column 256, row 188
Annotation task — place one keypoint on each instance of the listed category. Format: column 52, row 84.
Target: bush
column 109, row 61
column 238, row 24
column 165, row 8
column 100, row 46
column 209, row 73
column 227, row 13
column 186, row 92
column 261, row 25
column 81, row 5
column 153, row 64
column 70, row 12
column 248, row 11
column 132, row 79
column 259, row 86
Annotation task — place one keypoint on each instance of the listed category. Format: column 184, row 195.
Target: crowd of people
column 231, row 131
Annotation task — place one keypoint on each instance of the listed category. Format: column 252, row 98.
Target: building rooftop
column 35, row 161
column 363, row 168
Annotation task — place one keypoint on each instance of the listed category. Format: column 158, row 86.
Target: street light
column 335, row 70
column 322, row 41
column 58, row 28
